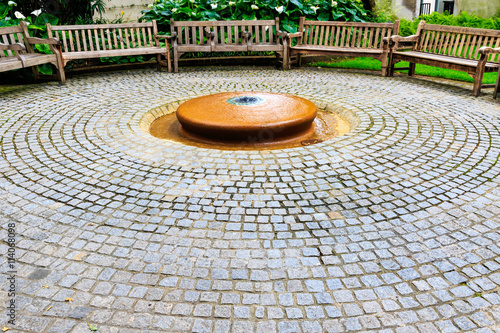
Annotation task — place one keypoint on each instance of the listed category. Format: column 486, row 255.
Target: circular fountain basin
column 248, row 116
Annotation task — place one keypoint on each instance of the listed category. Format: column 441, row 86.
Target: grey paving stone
column 394, row 224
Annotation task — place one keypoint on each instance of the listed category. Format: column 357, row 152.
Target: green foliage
column 464, row 19
column 288, row 11
column 384, row 12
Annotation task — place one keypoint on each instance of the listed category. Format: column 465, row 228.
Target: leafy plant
column 288, row 11
column 464, row 19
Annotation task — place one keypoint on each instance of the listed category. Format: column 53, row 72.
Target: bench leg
column 411, row 71
column 390, row 69
column 36, row 73
column 478, row 82
column 158, row 62
column 61, row 75
column 299, row 59
column 495, row 92
column 285, row 57
column 176, row 60
column 384, row 65
column 169, row 61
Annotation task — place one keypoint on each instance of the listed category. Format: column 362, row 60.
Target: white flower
column 214, row 5
column 364, row 14
column 173, row 10
column 280, row 9
column 19, row 15
column 193, row 14
column 254, row 7
column 232, row 3
column 151, row 5
column 12, row 3
column 315, row 8
column 334, row 3
column 36, row 12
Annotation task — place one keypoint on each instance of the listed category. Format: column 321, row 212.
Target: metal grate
column 425, row 8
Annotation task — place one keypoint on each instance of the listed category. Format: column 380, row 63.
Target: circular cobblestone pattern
column 393, row 227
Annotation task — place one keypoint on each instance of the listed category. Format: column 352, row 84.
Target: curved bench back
column 345, row 34
column 105, row 37
column 454, row 41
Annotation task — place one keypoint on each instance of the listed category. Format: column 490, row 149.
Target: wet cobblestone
column 393, row 227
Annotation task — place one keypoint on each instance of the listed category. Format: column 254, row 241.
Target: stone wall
column 131, row 9
column 483, row 8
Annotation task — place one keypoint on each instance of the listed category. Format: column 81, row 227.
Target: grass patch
column 375, row 65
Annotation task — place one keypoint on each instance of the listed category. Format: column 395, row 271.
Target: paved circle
column 392, row 227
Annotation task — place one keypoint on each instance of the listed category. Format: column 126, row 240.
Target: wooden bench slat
column 461, row 46
column 150, row 38
column 101, row 26
column 132, row 38
column 84, row 40
column 71, row 43
column 495, row 57
column 478, row 46
column 6, row 41
column 96, row 40
column 360, row 34
column 444, row 43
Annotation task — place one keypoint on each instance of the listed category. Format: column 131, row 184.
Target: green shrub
column 288, row 11
column 464, row 19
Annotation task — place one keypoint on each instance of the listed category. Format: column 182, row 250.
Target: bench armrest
column 295, row 35
column 397, row 38
column 393, row 41
column 488, row 50
column 12, row 47
column 50, row 41
column 282, row 34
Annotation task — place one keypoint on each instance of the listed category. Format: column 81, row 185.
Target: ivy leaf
column 45, row 18
column 45, row 69
column 297, row 3
column 43, row 48
column 4, row 10
column 249, row 17
column 323, row 16
column 289, row 26
column 337, row 16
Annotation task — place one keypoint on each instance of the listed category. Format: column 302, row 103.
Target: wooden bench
column 227, row 36
column 449, row 47
column 17, row 51
column 111, row 40
column 343, row 39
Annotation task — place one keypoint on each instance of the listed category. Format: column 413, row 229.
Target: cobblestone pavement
column 392, row 228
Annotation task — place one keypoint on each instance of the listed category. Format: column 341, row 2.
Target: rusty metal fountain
column 248, row 120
